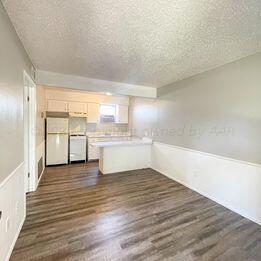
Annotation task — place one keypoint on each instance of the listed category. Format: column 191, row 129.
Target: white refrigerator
column 57, row 141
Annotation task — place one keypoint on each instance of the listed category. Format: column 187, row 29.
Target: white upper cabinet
column 122, row 114
column 84, row 104
column 57, row 106
column 77, row 107
column 93, row 112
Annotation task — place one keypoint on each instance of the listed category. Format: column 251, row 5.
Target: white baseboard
column 239, row 182
column 40, row 178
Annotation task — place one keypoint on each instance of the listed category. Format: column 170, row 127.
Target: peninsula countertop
column 132, row 142
column 108, row 135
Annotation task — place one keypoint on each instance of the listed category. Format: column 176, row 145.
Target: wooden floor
column 79, row 214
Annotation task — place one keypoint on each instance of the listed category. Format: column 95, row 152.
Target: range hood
column 78, row 114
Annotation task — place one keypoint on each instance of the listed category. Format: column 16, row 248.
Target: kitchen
column 80, row 124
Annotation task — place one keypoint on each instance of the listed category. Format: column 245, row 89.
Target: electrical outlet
column 7, row 224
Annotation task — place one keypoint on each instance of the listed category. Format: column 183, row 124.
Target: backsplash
column 79, row 124
column 107, row 127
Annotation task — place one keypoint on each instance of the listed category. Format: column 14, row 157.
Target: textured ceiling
column 146, row 42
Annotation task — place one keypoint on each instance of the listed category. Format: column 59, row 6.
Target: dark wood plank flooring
column 79, row 214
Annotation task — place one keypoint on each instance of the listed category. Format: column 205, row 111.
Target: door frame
column 29, row 102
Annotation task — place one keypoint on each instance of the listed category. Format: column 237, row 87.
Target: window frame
column 102, row 116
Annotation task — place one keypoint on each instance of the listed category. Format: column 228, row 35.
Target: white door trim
column 30, row 133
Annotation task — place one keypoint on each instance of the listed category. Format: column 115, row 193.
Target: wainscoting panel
column 231, row 183
column 12, row 207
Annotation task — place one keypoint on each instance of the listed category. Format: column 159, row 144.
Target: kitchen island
column 117, row 156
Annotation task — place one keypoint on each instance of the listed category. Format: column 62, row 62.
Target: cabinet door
column 57, row 106
column 122, row 114
column 93, row 152
column 93, row 112
column 77, row 107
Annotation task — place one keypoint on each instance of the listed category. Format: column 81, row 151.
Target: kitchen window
column 107, row 113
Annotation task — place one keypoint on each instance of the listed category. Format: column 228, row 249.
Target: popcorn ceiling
column 144, row 42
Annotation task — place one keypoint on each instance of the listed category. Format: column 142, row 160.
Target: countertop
column 111, row 135
column 133, row 142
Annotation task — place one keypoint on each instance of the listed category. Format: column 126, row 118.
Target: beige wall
column 13, row 60
column 218, row 112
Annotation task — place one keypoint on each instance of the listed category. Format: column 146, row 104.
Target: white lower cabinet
column 93, row 152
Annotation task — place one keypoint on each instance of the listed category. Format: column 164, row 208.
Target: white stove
column 77, row 147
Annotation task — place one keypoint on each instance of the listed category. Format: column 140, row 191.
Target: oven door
column 77, row 148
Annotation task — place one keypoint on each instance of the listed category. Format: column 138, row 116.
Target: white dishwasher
column 77, row 147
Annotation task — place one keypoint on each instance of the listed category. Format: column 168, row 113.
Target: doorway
column 29, row 133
